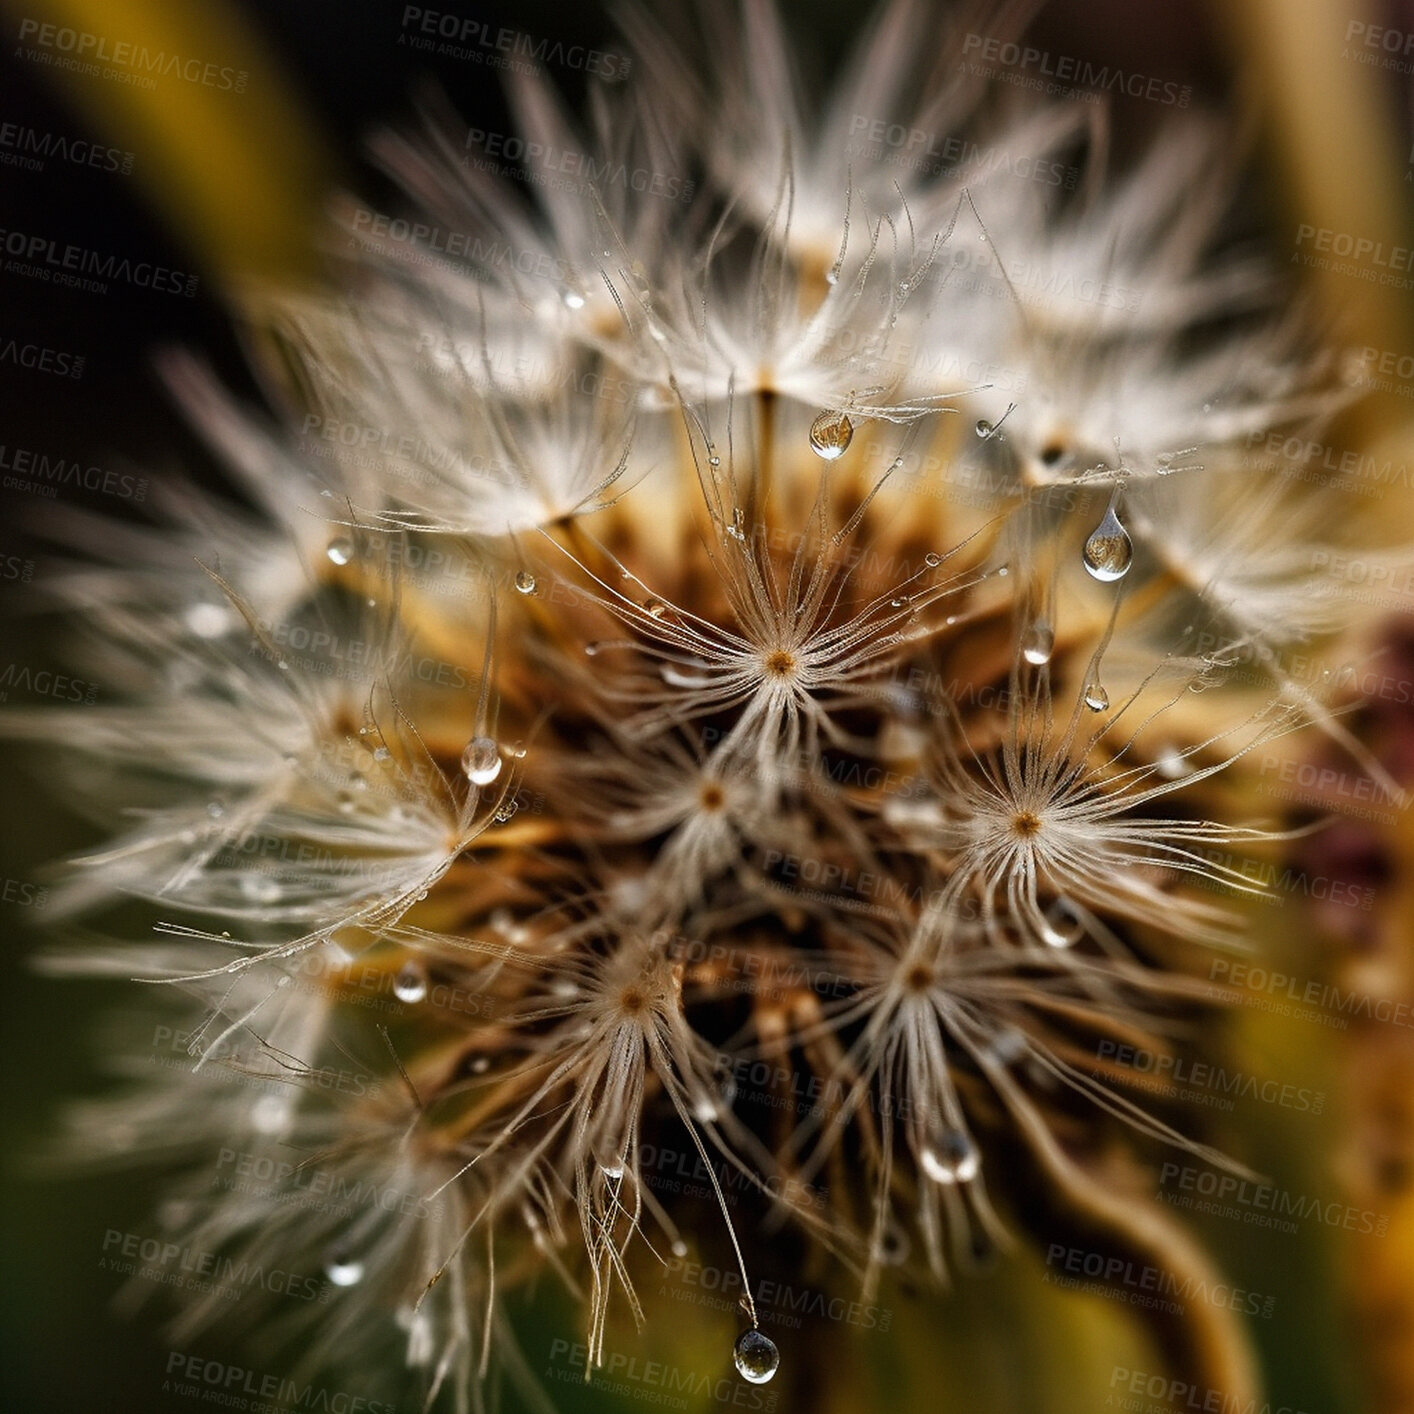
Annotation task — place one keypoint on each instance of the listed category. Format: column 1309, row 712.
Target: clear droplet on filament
column 410, row 985
column 950, row 1156
column 830, row 436
column 755, row 1356
column 342, row 1269
column 1061, row 928
column 525, row 582
column 1108, row 552
column 481, row 761
column 1039, row 643
column 1096, row 698
column 340, row 551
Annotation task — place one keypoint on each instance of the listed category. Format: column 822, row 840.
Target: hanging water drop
column 655, row 608
column 1108, row 552
column 932, row 559
column 481, row 761
column 1060, row 928
column 950, row 1156
column 1039, row 643
column 830, row 435
column 340, row 551
column 1096, row 698
column 984, row 428
column 525, row 582
column 755, row 1356
column 410, row 985
column 573, row 300
column 342, row 1269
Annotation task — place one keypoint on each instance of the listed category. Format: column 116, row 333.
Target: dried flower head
column 829, row 663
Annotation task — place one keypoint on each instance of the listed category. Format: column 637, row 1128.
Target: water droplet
column 259, row 888
column 830, row 436
column 410, row 985
column 950, row 1156
column 1171, row 764
column 1108, row 552
column 340, row 551
column 932, row 559
column 481, row 761
column 674, row 676
column 984, row 428
column 342, row 1269
column 270, row 1114
column 655, row 608
column 1039, row 643
column 1096, row 698
column 525, row 582
column 381, row 753
column 592, row 650
column 215, row 809
column 1061, row 928
column 679, row 1247
column 573, row 300
column 207, row 620
column 613, row 1166
column 755, row 1356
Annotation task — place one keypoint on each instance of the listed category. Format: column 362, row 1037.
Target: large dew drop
column 1096, row 698
column 410, row 985
column 1038, row 644
column 830, row 436
column 950, row 1156
column 340, row 551
column 481, row 761
column 1108, row 552
column 525, row 582
column 755, row 1356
